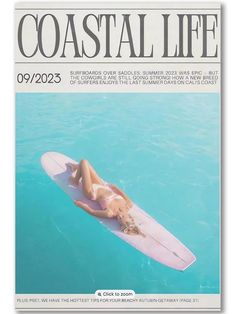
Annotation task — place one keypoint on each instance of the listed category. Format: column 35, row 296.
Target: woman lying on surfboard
column 114, row 203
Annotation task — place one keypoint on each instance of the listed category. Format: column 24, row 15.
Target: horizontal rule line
column 140, row 62
column 160, row 9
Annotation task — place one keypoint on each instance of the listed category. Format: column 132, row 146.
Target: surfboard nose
column 47, row 156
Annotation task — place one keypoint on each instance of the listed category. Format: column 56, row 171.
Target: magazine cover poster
column 118, row 156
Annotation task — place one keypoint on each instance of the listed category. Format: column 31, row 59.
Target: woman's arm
column 95, row 212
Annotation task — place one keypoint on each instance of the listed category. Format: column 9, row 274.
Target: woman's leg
column 94, row 176
column 86, row 178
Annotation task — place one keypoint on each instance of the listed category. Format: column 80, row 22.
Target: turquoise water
column 161, row 149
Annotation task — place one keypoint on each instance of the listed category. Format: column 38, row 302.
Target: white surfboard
column 158, row 243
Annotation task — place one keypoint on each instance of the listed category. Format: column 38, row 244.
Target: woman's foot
column 72, row 167
column 73, row 181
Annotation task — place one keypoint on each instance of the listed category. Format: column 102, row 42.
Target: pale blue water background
column 162, row 149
